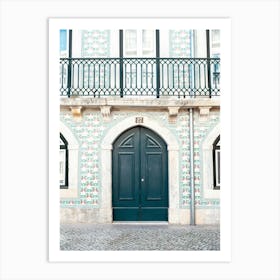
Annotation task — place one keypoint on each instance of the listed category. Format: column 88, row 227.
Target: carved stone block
column 76, row 112
column 173, row 112
column 204, row 113
column 105, row 112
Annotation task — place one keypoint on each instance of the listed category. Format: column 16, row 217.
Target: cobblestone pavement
column 85, row 237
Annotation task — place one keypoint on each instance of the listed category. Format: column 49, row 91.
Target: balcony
column 155, row 77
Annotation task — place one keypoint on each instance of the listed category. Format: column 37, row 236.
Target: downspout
column 192, row 209
column 192, row 196
column 121, row 61
column 69, row 74
column 208, row 63
column 157, row 62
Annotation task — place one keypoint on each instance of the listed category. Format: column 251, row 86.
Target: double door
column 140, row 177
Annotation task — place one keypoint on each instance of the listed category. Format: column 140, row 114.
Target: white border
column 163, row 24
column 23, row 207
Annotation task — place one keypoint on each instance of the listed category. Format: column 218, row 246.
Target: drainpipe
column 192, row 209
column 121, row 61
column 69, row 75
column 208, row 62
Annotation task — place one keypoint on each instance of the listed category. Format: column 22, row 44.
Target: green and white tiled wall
column 91, row 130
column 96, row 43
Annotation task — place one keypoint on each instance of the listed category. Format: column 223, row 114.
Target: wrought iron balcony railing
column 157, row 77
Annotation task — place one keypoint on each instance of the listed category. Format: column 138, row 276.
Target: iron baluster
column 121, row 62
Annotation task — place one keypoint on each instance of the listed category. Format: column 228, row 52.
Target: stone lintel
column 162, row 102
column 107, row 104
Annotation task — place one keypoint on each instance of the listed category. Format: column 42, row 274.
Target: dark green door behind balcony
column 140, row 176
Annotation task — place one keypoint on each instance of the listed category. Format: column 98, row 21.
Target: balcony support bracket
column 204, row 113
column 105, row 112
column 76, row 112
column 173, row 112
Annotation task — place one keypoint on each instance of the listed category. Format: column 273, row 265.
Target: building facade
column 140, row 126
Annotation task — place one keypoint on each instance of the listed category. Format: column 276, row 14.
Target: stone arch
column 106, row 165
column 127, row 123
column 69, row 136
column 207, row 161
column 73, row 150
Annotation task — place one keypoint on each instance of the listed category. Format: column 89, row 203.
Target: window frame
column 208, row 191
column 215, row 45
column 216, row 164
column 139, row 50
column 65, row 147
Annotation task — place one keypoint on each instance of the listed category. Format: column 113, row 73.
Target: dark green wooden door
column 140, row 177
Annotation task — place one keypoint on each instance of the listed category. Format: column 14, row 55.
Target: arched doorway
column 139, row 176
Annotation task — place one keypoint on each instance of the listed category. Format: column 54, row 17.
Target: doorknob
column 142, row 180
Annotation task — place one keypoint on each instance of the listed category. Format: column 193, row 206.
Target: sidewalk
column 112, row 237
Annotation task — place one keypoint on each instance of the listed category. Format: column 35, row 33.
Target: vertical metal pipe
column 192, row 65
column 121, row 61
column 69, row 74
column 157, row 63
column 208, row 63
column 70, row 44
column 191, row 129
column 192, row 200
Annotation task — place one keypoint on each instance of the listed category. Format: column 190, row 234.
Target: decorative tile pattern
column 95, row 43
column 180, row 43
column 183, row 137
column 91, row 131
column 201, row 129
column 88, row 133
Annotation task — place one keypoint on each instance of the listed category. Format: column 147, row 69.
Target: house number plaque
column 139, row 120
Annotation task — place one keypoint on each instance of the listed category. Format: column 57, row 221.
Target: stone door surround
column 106, row 166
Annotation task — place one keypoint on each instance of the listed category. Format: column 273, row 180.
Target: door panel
column 154, row 193
column 126, row 167
column 126, row 170
column 140, row 180
column 153, row 176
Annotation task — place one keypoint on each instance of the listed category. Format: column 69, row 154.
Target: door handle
column 142, row 180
